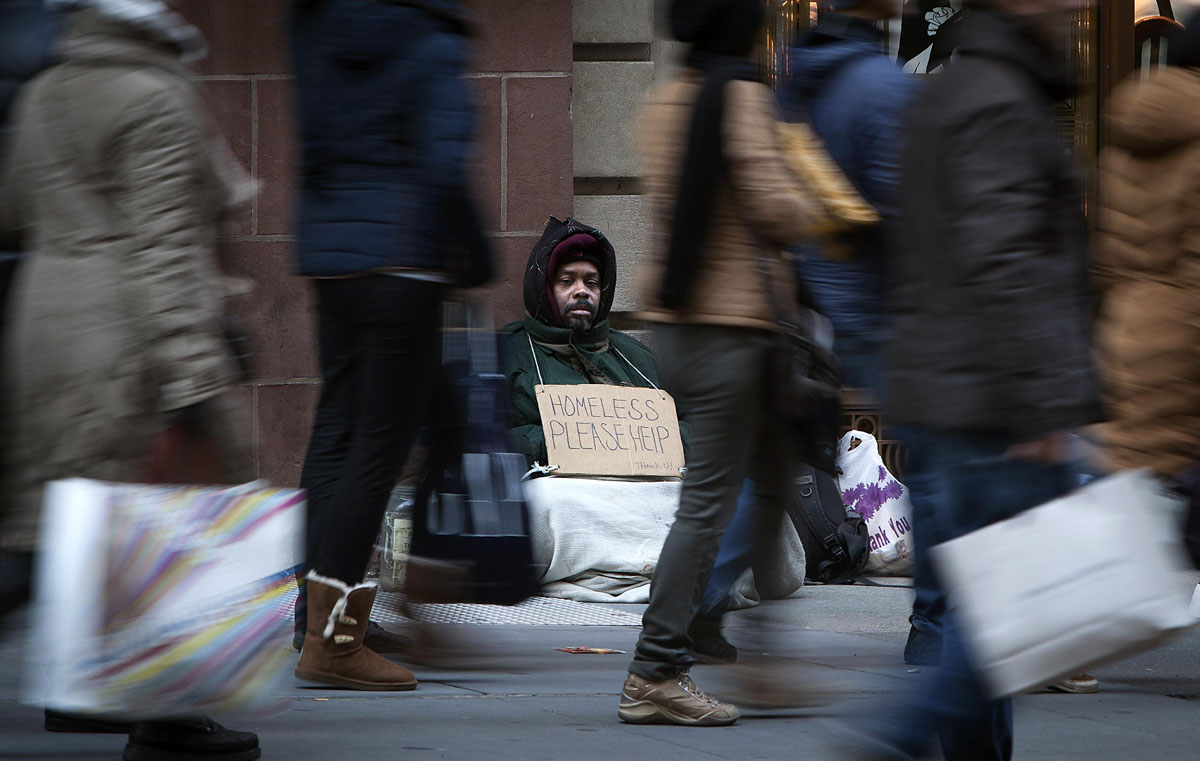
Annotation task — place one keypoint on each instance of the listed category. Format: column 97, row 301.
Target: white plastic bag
column 1066, row 585
column 874, row 493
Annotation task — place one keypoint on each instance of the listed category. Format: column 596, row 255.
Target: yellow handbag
column 845, row 209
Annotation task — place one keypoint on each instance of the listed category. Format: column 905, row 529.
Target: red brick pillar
column 524, row 173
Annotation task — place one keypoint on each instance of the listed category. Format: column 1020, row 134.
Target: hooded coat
column 856, row 99
column 537, row 350
column 1147, row 271
column 117, row 184
column 989, row 302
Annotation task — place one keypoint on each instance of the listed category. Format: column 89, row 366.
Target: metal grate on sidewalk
column 536, row 611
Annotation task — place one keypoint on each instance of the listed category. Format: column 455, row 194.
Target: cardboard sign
column 598, row 430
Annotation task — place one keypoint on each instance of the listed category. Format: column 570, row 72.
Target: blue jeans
column 859, row 357
column 959, row 483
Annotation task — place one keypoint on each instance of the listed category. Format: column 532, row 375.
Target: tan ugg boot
column 333, row 651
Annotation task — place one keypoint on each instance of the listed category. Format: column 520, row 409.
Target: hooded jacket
column 537, row 349
column 118, row 183
column 386, row 122
column 856, row 100
column 1147, row 271
column 989, row 299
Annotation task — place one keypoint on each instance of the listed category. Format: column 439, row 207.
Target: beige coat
column 761, row 208
column 1148, row 273
column 116, row 187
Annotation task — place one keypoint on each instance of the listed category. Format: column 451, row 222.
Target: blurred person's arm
column 880, row 140
column 167, row 261
column 445, row 130
column 765, row 188
column 10, row 209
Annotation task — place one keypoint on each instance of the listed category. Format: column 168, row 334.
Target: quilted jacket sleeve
column 167, row 258
column 444, row 131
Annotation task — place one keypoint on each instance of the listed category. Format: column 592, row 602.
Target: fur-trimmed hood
column 150, row 17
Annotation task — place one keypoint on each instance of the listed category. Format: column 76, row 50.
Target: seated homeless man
column 600, row 544
column 565, row 338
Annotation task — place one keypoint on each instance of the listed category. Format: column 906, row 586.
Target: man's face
column 577, row 293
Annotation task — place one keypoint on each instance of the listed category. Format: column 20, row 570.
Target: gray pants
column 721, row 378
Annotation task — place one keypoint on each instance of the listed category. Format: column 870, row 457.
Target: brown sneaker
column 672, row 701
column 1080, row 684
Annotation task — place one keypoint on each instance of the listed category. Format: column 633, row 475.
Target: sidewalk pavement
column 535, row 703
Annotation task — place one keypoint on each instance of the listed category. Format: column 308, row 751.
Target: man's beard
column 579, row 323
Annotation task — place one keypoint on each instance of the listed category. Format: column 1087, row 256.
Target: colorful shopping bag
column 155, row 601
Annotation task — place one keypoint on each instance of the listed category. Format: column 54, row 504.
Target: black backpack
column 836, row 540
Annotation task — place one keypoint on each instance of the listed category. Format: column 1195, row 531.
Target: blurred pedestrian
column 990, row 361
column 385, row 223
column 724, row 202
column 1147, row 274
column 28, row 33
column 856, row 99
column 117, row 186
column 1147, row 269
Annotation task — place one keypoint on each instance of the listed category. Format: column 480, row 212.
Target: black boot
column 189, row 740
column 708, row 643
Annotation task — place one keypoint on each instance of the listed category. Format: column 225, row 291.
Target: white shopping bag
column 873, row 492
column 155, row 601
column 1077, row 581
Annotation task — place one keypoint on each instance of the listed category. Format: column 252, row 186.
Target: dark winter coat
column 385, row 127
column 989, row 300
column 27, row 35
column 536, row 352
column 856, row 99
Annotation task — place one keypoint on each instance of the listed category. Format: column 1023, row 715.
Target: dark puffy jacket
column 856, row 99
column 27, row 35
column 385, row 123
column 989, row 299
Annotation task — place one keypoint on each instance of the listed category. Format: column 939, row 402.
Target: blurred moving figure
column 990, row 361
column 1147, row 274
column 723, row 201
column 28, row 32
column 1147, row 268
column 116, row 186
column 857, row 100
column 386, row 123
column 27, row 35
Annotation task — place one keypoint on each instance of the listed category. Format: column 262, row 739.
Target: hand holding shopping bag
column 1033, row 614
column 159, row 601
